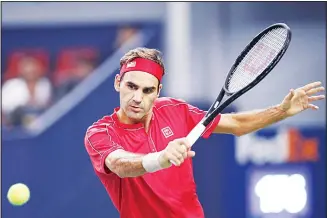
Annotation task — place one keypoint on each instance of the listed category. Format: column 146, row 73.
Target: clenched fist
column 176, row 152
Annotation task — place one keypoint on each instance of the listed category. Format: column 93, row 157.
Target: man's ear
column 117, row 82
column 159, row 89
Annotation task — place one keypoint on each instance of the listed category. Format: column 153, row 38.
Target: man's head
column 83, row 68
column 139, row 82
column 30, row 68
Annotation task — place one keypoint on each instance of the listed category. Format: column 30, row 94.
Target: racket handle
column 194, row 135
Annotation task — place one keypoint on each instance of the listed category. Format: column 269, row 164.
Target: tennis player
column 131, row 148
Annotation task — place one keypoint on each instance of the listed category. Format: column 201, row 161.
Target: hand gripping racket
column 255, row 62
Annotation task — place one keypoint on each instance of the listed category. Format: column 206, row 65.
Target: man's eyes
column 131, row 86
column 146, row 90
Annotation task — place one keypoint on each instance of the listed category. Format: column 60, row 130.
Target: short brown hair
column 147, row 53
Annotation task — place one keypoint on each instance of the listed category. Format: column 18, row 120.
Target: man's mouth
column 135, row 108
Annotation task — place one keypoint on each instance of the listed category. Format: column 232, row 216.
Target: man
column 28, row 95
column 131, row 149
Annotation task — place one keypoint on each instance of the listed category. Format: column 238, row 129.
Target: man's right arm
column 107, row 155
column 126, row 164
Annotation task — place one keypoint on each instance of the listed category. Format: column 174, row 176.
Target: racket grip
column 194, row 135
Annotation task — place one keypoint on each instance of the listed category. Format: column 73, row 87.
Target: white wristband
column 151, row 163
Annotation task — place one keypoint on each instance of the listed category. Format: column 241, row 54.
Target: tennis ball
column 18, row 194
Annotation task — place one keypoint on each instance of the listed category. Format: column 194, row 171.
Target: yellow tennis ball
column 18, row 194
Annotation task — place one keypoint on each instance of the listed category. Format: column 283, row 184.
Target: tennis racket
column 255, row 62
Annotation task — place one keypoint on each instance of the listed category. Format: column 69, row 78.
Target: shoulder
column 104, row 125
column 168, row 102
column 101, row 139
column 15, row 82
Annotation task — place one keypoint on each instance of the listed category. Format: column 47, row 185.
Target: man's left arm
column 295, row 102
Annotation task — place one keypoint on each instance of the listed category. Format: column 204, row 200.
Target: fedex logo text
column 285, row 146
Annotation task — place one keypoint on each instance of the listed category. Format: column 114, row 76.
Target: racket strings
column 258, row 58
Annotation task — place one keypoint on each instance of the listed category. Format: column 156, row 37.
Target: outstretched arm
column 294, row 102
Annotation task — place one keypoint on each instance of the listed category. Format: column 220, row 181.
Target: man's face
column 138, row 90
column 29, row 68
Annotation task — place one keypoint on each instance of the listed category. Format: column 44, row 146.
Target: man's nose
column 138, row 96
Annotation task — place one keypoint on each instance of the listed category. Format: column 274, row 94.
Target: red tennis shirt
column 168, row 193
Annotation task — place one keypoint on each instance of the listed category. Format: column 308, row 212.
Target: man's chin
column 135, row 116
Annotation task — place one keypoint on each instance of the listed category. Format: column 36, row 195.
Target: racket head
column 258, row 58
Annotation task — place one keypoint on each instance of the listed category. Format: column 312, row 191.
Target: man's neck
column 146, row 120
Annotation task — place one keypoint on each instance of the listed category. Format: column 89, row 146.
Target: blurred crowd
column 31, row 85
column 34, row 79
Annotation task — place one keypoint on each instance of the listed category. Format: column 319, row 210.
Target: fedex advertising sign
column 286, row 146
